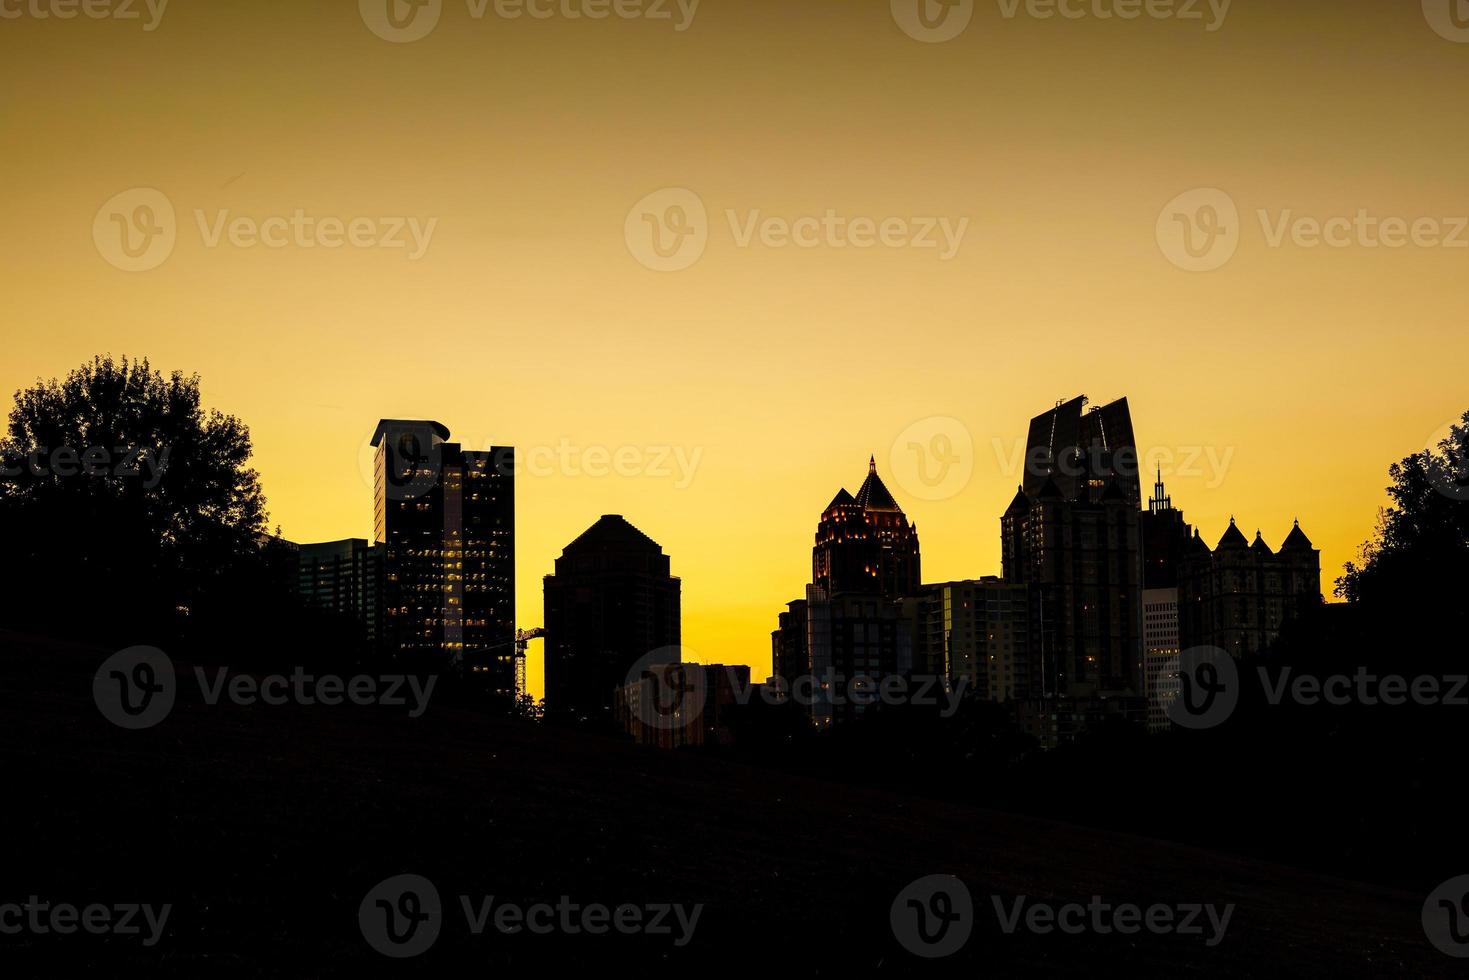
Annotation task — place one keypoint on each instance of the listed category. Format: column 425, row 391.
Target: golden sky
column 1292, row 373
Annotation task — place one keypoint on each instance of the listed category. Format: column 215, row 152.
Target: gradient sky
column 529, row 321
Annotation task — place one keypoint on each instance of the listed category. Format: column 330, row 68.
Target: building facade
column 1160, row 654
column 1237, row 595
column 856, row 622
column 610, row 604
column 1072, row 534
column 865, row 544
column 977, row 631
column 344, row 577
column 445, row 518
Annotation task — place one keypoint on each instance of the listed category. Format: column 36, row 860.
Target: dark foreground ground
column 265, row 827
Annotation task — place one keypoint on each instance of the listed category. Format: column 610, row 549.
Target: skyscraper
column 1083, row 452
column 1071, row 534
column 865, row 543
column 445, row 517
column 851, row 624
column 610, row 603
column 1165, row 542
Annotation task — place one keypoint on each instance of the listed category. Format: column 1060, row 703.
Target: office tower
column 854, row 640
column 1072, row 534
column 1165, row 543
column 344, row 577
column 1165, row 539
column 1160, row 653
column 445, row 517
column 1082, row 453
column 1237, row 595
column 865, row 544
column 610, row 604
column 850, row 628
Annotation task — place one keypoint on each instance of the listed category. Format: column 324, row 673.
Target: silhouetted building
column 789, row 657
column 1236, row 595
column 610, row 603
column 1072, row 535
column 446, row 520
column 855, row 640
column 1160, row 653
column 865, row 544
column 345, row 577
column 850, row 631
column 1053, row 721
column 1081, row 453
column 979, row 631
column 677, row 705
column 1165, row 539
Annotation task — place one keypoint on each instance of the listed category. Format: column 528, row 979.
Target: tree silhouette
column 1419, row 557
column 124, row 503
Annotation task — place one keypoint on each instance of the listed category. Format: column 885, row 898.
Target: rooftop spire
column 872, row 463
column 1160, row 501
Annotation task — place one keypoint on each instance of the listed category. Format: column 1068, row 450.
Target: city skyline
column 960, row 560
column 1060, row 141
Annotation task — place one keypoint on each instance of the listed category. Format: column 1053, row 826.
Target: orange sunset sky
column 1291, row 375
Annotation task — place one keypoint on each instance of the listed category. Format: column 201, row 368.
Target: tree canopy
column 123, row 500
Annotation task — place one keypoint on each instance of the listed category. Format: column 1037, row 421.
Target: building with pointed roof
column 864, row 563
column 865, row 543
column 1237, row 595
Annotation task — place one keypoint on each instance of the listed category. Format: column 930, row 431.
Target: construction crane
column 522, row 641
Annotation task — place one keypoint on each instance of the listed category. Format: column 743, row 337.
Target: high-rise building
column 445, row 518
column 1165, row 539
column 1082, row 452
column 611, row 603
column 865, row 543
column 1160, row 653
column 790, row 659
column 978, row 630
column 851, row 627
column 345, row 577
column 1237, row 595
column 855, row 640
column 1072, row 534
column 1165, row 542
